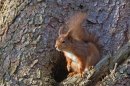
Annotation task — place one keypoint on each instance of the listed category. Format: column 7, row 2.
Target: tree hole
column 59, row 72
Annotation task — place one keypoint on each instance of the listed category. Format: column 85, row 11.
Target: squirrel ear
column 68, row 34
column 60, row 30
column 63, row 30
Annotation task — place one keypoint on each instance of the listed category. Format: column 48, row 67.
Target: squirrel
column 78, row 46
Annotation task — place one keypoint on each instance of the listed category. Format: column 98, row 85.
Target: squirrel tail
column 76, row 20
column 95, row 40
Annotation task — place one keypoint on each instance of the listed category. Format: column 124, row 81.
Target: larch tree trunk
column 29, row 28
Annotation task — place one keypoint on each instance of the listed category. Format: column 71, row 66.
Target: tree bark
column 29, row 28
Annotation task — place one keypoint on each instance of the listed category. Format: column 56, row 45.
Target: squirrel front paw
column 68, row 67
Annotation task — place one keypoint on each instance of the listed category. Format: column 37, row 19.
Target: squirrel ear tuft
column 63, row 29
column 60, row 30
column 68, row 34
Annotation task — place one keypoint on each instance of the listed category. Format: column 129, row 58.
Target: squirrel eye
column 63, row 41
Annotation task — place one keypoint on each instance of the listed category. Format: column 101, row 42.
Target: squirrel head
column 64, row 42
column 71, row 31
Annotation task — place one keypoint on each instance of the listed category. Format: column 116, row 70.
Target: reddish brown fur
column 75, row 25
column 74, row 42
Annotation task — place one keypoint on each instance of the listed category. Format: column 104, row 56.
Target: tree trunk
column 29, row 28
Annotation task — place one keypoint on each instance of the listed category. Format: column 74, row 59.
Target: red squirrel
column 78, row 46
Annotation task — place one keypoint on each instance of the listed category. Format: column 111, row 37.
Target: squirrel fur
column 78, row 46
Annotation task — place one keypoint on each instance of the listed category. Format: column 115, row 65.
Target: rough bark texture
column 29, row 28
